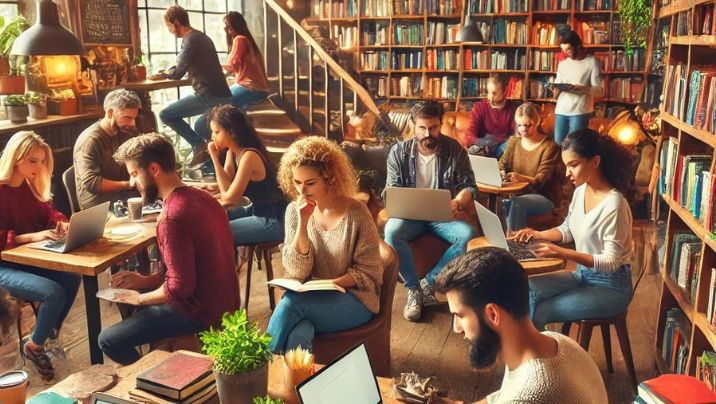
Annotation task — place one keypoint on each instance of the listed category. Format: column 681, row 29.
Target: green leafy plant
column 636, row 21
column 238, row 347
column 267, row 400
column 35, row 98
column 15, row 101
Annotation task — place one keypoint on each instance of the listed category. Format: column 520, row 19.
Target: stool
column 263, row 252
column 584, row 335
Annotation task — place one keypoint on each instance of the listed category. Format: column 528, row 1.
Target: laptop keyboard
column 520, row 250
column 56, row 244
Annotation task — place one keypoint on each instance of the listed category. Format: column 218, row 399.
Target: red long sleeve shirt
column 21, row 213
column 486, row 120
column 198, row 250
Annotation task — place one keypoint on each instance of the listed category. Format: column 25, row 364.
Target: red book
column 678, row 389
column 178, row 376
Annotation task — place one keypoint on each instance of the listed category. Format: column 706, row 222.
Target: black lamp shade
column 469, row 32
column 47, row 36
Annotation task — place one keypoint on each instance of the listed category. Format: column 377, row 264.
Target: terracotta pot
column 16, row 114
column 38, row 111
column 12, row 85
column 138, row 72
column 241, row 388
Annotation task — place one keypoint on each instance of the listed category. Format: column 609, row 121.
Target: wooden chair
column 262, row 251
column 68, row 179
column 376, row 333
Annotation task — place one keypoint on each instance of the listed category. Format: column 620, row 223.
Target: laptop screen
column 348, row 379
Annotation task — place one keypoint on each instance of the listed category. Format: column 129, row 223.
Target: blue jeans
column 249, row 229
column 566, row 124
column 585, row 294
column 56, row 291
column 520, row 207
column 298, row 316
column 146, row 325
column 241, row 96
column 399, row 233
column 494, row 145
column 191, row 105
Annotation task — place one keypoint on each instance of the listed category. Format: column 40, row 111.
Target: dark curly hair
column 616, row 162
column 426, row 109
column 234, row 121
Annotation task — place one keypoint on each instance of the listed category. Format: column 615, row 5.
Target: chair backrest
column 68, row 178
column 390, row 278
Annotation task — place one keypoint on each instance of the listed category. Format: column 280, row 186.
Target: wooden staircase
column 273, row 125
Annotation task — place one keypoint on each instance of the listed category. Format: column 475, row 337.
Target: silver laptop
column 492, row 228
column 487, row 171
column 349, row 379
column 85, row 226
column 431, row 205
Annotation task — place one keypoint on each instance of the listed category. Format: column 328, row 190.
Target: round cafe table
column 507, row 189
column 531, row 267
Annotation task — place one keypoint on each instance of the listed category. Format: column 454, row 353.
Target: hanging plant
column 635, row 17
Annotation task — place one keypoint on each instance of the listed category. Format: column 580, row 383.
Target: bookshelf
column 686, row 183
column 395, row 39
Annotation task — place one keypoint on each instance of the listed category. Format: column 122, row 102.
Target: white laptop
column 492, row 228
column 349, row 379
column 85, row 226
column 487, row 171
column 431, row 205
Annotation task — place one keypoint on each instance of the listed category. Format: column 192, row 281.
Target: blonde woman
column 27, row 215
column 329, row 235
column 533, row 157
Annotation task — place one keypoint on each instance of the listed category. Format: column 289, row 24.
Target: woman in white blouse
column 599, row 223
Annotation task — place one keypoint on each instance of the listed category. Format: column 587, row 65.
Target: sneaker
column 200, row 155
column 42, row 362
column 414, row 306
column 428, row 295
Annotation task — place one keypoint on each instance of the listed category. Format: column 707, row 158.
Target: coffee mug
column 13, row 387
column 134, row 205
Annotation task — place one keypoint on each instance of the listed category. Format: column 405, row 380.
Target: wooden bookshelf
column 339, row 14
column 693, row 52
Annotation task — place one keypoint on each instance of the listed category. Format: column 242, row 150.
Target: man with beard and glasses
column 98, row 178
column 429, row 160
column 198, row 284
column 488, row 294
column 492, row 120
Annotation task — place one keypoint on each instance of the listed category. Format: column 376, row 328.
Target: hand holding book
column 310, row 286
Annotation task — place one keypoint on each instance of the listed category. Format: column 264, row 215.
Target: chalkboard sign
column 105, row 22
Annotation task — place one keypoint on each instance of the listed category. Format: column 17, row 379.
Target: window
column 8, row 10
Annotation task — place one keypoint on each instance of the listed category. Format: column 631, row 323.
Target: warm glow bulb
column 290, row 4
column 627, row 135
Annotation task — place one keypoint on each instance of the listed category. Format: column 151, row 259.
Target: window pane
column 215, row 31
column 8, row 12
column 143, row 34
column 161, row 40
column 196, row 20
column 191, row 4
column 161, row 62
column 215, row 5
column 160, row 3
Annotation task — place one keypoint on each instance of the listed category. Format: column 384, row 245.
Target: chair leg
column 606, row 337
column 566, row 327
column 247, row 284
column 584, row 335
column 269, row 276
column 623, row 334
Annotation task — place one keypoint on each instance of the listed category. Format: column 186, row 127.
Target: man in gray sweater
column 199, row 59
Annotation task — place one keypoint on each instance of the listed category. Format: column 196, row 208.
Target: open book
column 296, row 286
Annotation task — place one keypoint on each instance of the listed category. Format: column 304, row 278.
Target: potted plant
column 267, row 400
column 241, row 355
column 37, row 104
column 636, row 20
column 12, row 79
column 16, row 108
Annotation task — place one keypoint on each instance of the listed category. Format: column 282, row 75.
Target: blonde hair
column 17, row 148
column 531, row 111
column 323, row 155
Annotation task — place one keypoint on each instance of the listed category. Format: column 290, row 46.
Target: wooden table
column 89, row 261
column 531, row 267
column 493, row 192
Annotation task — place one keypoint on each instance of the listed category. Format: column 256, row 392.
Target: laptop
column 492, row 227
column 348, row 379
column 85, row 226
column 102, row 398
column 431, row 205
column 487, row 171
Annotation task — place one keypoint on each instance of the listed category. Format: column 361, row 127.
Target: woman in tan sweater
column 533, row 157
column 329, row 235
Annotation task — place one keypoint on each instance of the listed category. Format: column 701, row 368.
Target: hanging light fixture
column 48, row 36
column 469, row 31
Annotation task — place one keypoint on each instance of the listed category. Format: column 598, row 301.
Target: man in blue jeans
column 429, row 160
column 198, row 57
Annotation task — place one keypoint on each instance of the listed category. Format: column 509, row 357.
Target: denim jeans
column 494, row 145
column 399, row 233
column 249, row 229
column 148, row 324
column 566, row 124
column 298, row 316
column 585, row 294
column 191, row 105
column 56, row 291
column 241, row 96
column 520, row 207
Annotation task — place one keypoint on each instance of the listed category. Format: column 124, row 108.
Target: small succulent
column 267, row 400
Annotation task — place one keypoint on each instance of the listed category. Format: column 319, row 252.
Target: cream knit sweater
column 352, row 247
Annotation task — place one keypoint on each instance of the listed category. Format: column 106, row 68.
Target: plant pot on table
column 241, row 388
column 64, row 107
column 16, row 113
column 38, row 111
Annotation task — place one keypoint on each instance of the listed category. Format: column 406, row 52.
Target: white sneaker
column 414, row 306
column 428, row 295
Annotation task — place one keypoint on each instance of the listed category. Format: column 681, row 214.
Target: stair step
column 265, row 107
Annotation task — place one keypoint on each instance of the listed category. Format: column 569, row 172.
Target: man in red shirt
column 492, row 120
column 199, row 283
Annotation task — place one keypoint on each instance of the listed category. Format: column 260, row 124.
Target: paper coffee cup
column 134, row 206
column 13, row 387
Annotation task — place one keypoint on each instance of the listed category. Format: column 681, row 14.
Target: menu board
column 105, row 22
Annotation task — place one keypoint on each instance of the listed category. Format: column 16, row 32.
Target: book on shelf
column 545, row 34
column 407, row 59
column 477, row 87
column 374, row 60
column 482, row 7
column 406, row 86
column 408, row 7
column 684, row 249
column 508, row 60
column 408, row 34
column 683, row 23
column 674, row 389
column 545, row 61
column 593, row 5
column 552, row 5
column 444, row 7
column 675, row 342
column 477, row 59
column 178, row 376
column 704, row 19
column 711, row 307
column 626, row 88
column 308, row 286
column 602, row 59
column 667, row 165
column 444, row 87
column 346, row 36
column 539, row 87
column 509, row 32
column 374, row 33
column 621, row 61
column 706, row 370
column 675, row 97
column 510, row 6
column 700, row 106
column 440, row 33
column 375, row 8
column 441, row 59
column 376, row 85
column 344, row 8
column 594, row 32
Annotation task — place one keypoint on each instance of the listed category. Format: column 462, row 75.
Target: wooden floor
column 430, row 347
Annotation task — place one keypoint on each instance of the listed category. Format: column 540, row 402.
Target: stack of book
column 674, row 346
column 441, row 59
column 544, row 34
column 374, row 60
column 374, row 33
column 700, row 111
column 375, row 8
column 407, row 60
column 685, row 253
column 510, row 32
column 180, row 378
column 477, row 59
column 509, row 60
column 408, row 34
column 667, row 389
column 407, row 7
column 406, row 86
column 440, row 33
column 441, row 87
column 444, row 7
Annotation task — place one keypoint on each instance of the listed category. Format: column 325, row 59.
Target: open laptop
column 487, row 171
column 492, row 227
column 348, row 379
column 432, row 205
column 85, row 226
